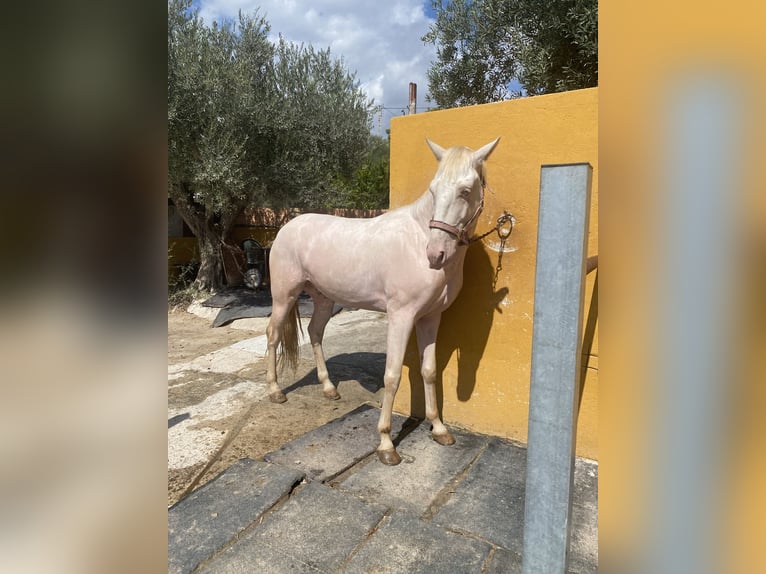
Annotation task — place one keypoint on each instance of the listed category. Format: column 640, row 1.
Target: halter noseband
column 460, row 233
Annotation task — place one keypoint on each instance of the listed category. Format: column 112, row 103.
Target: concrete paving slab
column 315, row 531
column 405, row 543
column 202, row 523
column 586, row 482
column 425, row 470
column 353, row 332
column 489, row 502
column 192, row 438
column 266, row 560
column 583, row 541
column 227, row 360
column 505, row 562
column 332, row 448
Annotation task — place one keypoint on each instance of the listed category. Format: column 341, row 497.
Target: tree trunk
column 210, row 274
column 210, row 236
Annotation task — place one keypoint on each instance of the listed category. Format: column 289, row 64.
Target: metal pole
column 556, row 347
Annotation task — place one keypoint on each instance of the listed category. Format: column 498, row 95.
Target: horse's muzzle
column 436, row 260
column 440, row 248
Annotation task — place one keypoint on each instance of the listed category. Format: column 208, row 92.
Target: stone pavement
column 323, row 503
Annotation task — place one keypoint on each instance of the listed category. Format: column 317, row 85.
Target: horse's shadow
column 464, row 329
column 365, row 367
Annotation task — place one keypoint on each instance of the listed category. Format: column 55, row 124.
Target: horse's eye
column 465, row 192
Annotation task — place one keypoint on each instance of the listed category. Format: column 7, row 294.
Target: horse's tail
column 288, row 350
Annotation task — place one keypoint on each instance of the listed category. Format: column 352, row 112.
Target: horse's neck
column 423, row 209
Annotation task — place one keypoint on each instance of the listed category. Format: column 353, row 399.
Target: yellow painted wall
column 181, row 251
column 485, row 339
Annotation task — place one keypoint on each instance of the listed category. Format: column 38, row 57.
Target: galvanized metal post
column 556, row 347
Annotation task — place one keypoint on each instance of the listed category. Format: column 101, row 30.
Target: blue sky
column 380, row 41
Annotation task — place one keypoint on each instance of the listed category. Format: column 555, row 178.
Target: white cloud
column 374, row 88
column 379, row 41
column 408, row 13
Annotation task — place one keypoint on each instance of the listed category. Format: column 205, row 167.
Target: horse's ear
column 437, row 149
column 483, row 153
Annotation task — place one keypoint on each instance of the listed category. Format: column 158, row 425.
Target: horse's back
column 317, row 223
column 313, row 232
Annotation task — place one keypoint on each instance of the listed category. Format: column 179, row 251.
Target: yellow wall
column 181, row 251
column 485, row 339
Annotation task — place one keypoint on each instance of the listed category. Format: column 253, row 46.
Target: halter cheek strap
column 460, row 233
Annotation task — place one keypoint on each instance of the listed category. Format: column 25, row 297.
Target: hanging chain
column 504, row 228
column 499, row 260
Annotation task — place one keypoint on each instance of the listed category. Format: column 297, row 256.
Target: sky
column 378, row 40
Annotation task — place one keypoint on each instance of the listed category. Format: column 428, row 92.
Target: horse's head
column 458, row 194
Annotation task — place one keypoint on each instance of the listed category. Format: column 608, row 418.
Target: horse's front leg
column 399, row 329
column 426, row 329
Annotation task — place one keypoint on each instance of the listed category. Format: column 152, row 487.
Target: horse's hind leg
column 279, row 314
column 319, row 318
column 283, row 302
column 426, row 329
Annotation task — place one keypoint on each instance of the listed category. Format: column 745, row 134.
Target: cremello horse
column 407, row 263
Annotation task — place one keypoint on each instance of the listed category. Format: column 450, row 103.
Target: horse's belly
column 423, row 299
column 352, row 284
column 348, row 295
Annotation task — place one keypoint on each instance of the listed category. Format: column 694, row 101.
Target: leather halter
column 460, row 233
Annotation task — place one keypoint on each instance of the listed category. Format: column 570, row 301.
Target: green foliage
column 250, row 122
column 320, row 129
column 371, row 185
column 367, row 187
column 210, row 100
column 546, row 45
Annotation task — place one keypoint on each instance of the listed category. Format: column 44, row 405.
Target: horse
column 407, row 263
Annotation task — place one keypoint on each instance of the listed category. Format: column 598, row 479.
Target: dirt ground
column 244, row 423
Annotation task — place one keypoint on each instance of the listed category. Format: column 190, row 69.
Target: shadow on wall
column 464, row 329
column 589, row 332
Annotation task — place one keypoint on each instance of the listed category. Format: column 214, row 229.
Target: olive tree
column 253, row 123
column 483, row 45
column 319, row 130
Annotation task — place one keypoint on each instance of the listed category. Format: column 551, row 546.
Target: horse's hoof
column 444, row 439
column 389, row 457
column 332, row 394
column 277, row 397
